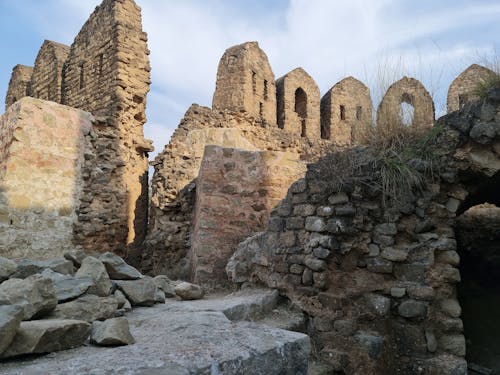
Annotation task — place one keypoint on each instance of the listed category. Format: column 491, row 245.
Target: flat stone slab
column 184, row 338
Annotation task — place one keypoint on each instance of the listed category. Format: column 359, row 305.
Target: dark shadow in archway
column 301, row 108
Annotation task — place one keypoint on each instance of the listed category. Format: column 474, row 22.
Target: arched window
column 301, row 108
column 406, row 110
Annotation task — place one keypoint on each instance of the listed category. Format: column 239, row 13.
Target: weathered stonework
column 19, row 85
column 47, row 76
column 379, row 283
column 462, row 87
column 42, row 147
column 245, row 82
column 409, row 91
column 236, row 191
column 298, row 102
column 346, row 112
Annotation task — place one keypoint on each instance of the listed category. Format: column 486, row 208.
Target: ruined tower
column 346, row 110
column 19, row 85
column 47, row 77
column 245, row 82
column 299, row 104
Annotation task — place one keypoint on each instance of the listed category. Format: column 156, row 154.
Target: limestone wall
column 236, row 191
column 47, row 76
column 298, row 104
column 462, row 88
column 19, row 85
column 410, row 91
column 42, row 148
column 346, row 112
column 245, row 82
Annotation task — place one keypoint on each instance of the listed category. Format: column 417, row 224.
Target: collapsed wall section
column 236, row 191
column 19, row 85
column 47, row 77
column 42, row 147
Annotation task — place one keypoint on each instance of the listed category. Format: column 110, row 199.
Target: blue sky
column 377, row 41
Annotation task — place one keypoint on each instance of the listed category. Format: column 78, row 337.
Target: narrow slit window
column 265, row 90
column 82, row 75
column 359, row 112
column 261, row 110
column 101, row 64
column 254, row 82
column 342, row 112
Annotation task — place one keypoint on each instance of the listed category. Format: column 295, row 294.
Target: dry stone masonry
column 19, row 85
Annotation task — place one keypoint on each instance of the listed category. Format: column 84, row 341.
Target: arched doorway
column 406, row 110
column 301, row 108
column 477, row 231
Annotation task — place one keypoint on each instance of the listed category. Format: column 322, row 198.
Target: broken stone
column 68, row 287
column 10, row 320
column 188, row 291
column 35, row 295
column 88, row 308
column 165, row 284
column 315, row 224
column 7, row 268
column 140, row 292
column 117, row 268
column 111, row 332
column 380, row 305
column 95, row 269
column 394, row 255
column 316, row 264
column 159, row 296
column 27, row 267
column 76, row 256
column 46, row 336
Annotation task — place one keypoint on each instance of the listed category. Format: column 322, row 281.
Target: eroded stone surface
column 88, row 308
column 111, row 332
column 95, row 270
column 10, row 320
column 139, row 292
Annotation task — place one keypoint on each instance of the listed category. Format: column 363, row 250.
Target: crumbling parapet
column 346, row 112
column 298, row 104
column 411, row 92
column 462, row 88
column 245, row 82
column 19, row 85
column 47, row 76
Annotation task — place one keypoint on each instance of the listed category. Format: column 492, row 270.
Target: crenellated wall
column 19, row 85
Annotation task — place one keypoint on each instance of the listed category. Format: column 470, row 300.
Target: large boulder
column 76, row 256
column 111, row 332
column 166, row 285
column 68, row 287
column 7, row 268
column 140, row 292
column 88, row 308
column 35, row 294
column 28, row 267
column 188, row 291
column 10, row 320
column 95, row 269
column 118, row 269
column 45, row 336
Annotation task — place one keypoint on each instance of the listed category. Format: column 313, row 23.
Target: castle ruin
column 244, row 193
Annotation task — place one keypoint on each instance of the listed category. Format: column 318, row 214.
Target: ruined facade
column 106, row 72
column 47, row 75
column 19, row 85
column 380, row 282
column 462, row 88
column 298, row 101
column 346, row 112
column 406, row 92
column 245, row 82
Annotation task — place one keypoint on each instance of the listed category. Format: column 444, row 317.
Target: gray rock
column 451, row 307
column 10, row 320
column 35, row 294
column 159, row 296
column 379, row 265
column 321, row 252
column 315, row 224
column 88, row 308
column 111, row 332
column 140, row 292
column 120, row 298
column 454, row 344
column 76, row 256
column 7, row 268
column 380, row 305
column 398, row 292
column 386, row 229
column 412, row 309
column 338, row 198
column 426, row 293
column 28, row 267
column 68, row 287
column 430, row 338
column 316, row 264
column 118, row 269
column 46, row 336
column 94, row 268
column 188, row 291
column 394, row 255
column 164, row 283
column 484, row 132
column 373, row 344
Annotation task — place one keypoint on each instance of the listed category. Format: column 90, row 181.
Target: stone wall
column 245, row 82
column 409, row 91
column 47, row 76
column 379, row 282
column 236, row 191
column 107, row 73
column 462, row 87
column 42, row 148
column 346, row 112
column 298, row 102
column 19, row 85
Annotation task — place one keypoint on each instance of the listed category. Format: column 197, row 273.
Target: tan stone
column 19, row 85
